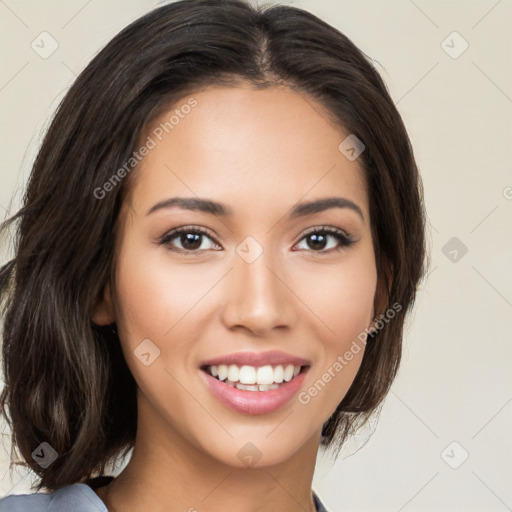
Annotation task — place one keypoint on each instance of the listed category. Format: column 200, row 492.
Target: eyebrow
column 215, row 208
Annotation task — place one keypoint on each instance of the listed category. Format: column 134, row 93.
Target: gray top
column 71, row 498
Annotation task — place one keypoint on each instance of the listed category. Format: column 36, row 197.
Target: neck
column 166, row 473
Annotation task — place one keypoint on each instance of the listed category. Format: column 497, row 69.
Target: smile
column 251, row 378
column 254, row 390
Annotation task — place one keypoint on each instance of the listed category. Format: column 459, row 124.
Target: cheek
column 164, row 303
column 342, row 300
column 156, row 302
column 341, row 297
column 154, row 297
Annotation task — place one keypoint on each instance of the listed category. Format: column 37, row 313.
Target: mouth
column 254, row 390
column 252, row 378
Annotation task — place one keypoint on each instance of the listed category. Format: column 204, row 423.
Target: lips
column 273, row 357
column 255, row 398
column 253, row 402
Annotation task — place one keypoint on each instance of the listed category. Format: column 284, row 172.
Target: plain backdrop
column 442, row 442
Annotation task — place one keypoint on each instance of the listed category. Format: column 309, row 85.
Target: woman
column 222, row 234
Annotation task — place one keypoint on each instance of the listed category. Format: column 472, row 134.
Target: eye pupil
column 191, row 240
column 317, row 237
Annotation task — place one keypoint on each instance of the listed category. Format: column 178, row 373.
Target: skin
column 259, row 152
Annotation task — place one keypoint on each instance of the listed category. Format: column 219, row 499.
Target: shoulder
column 71, row 498
column 319, row 506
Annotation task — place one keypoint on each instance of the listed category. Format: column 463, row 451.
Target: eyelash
column 345, row 241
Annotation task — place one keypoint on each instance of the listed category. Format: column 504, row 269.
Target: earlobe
column 104, row 312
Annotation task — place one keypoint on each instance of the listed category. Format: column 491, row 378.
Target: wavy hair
column 66, row 381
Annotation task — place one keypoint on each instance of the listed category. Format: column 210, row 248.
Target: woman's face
column 256, row 281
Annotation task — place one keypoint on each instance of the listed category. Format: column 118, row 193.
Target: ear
column 104, row 311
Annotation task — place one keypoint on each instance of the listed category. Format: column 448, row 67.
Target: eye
column 190, row 237
column 317, row 239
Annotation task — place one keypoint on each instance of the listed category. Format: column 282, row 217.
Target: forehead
column 271, row 146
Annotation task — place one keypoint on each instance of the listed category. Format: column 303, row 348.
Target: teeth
column 265, row 375
column 288, row 373
column 222, row 370
column 247, row 375
column 250, row 377
column 252, row 387
column 278, row 374
column 268, row 387
column 233, row 372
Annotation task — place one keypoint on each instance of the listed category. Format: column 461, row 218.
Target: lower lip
column 254, row 402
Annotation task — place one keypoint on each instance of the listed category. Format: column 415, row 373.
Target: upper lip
column 272, row 357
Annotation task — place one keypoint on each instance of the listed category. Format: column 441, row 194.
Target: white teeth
column 233, row 372
column 279, row 374
column 222, row 371
column 265, row 375
column 288, row 373
column 252, row 387
column 268, row 387
column 247, row 375
column 250, row 377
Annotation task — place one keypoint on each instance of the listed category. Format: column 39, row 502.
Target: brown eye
column 318, row 238
column 189, row 239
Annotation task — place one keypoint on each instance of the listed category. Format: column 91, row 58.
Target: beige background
column 455, row 382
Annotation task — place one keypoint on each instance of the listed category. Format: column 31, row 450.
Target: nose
column 258, row 297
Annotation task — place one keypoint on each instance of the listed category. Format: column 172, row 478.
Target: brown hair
column 66, row 381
